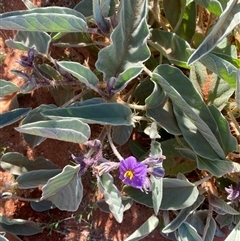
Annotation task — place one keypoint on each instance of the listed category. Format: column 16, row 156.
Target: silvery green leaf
column 50, row 19
column 102, row 23
column 28, row 4
column 103, row 113
column 12, row 116
column 220, row 67
column 82, row 73
column 214, row 90
column 112, row 196
column 128, row 41
column 41, row 206
column 19, row 226
column 186, row 192
column 121, row 134
column 72, row 131
column 18, row 164
column 157, row 189
column 36, row 178
column 24, row 40
column 34, row 116
column 219, row 203
column 217, row 167
column 235, row 234
column 65, row 190
column 164, row 41
column 7, row 87
column 228, row 141
column 226, row 23
column 187, row 111
column 188, row 232
column 182, row 216
column 85, row 7
column 143, row 231
column 237, row 93
column 210, row 229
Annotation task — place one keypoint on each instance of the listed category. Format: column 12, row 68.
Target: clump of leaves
column 150, row 61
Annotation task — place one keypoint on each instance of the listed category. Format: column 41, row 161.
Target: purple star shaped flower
column 132, row 172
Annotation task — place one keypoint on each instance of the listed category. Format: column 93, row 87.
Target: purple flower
column 132, row 172
column 27, row 61
column 234, row 192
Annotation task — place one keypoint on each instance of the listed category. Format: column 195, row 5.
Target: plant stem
column 133, row 106
column 114, row 149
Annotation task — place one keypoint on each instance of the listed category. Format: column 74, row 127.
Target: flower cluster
column 133, row 173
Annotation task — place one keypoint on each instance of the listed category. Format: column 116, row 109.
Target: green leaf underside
column 65, row 190
column 103, row 113
column 66, row 130
column 132, row 50
column 51, row 19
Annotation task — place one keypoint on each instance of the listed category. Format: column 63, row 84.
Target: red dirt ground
column 98, row 226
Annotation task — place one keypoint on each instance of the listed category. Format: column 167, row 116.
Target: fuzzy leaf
column 157, row 193
column 102, row 23
column 195, row 125
column 144, row 230
column 186, row 192
column 219, row 203
column 112, row 196
column 65, row 190
column 34, row 116
column 182, row 216
column 188, row 232
column 214, row 90
column 221, row 67
column 235, row 234
column 72, row 131
column 82, row 73
column 121, row 134
column 24, row 40
column 226, row 23
column 36, row 178
column 171, row 46
column 18, row 164
column 12, row 116
column 103, row 113
column 43, row 205
column 211, row 230
column 7, row 87
column 50, row 19
column 217, row 167
column 128, row 47
column 19, row 226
